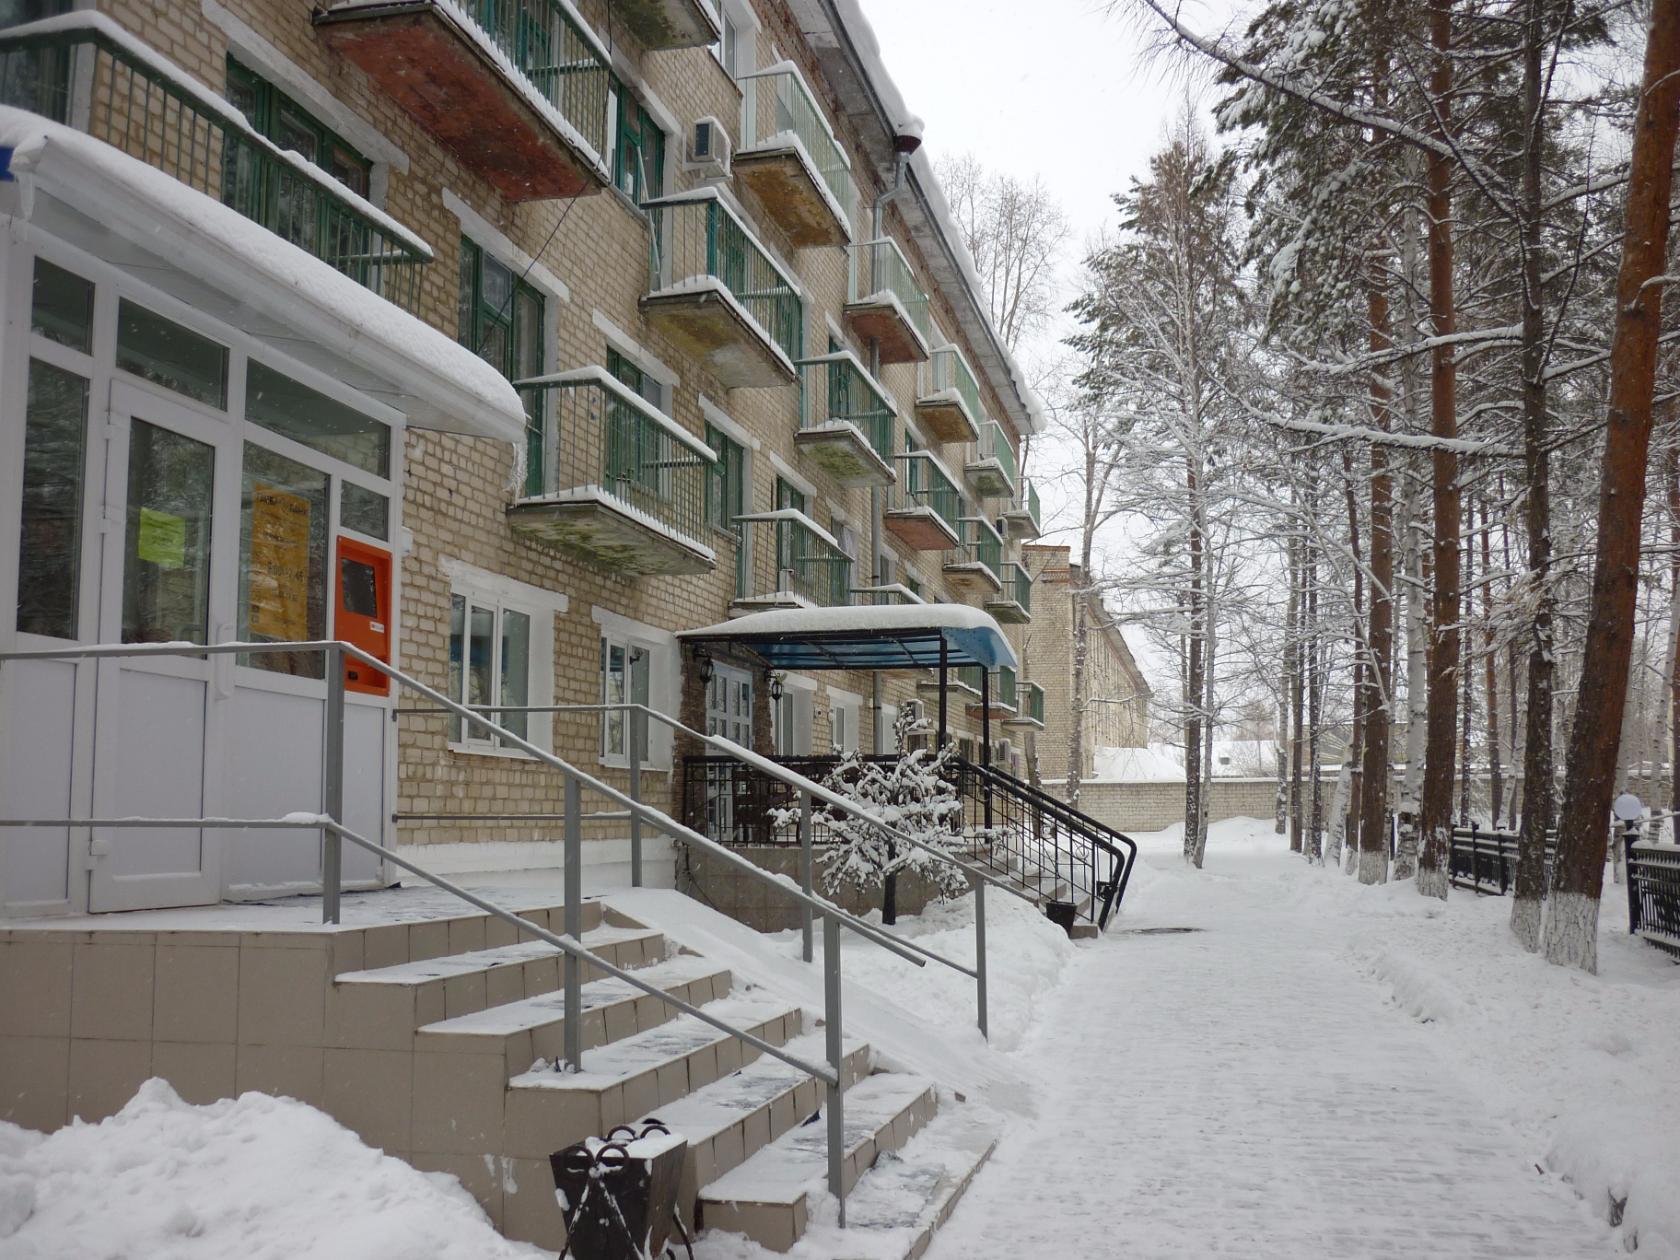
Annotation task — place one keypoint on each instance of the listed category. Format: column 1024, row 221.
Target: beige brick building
column 685, row 232
column 1117, row 695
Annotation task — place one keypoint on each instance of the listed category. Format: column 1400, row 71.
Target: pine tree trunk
column 1539, row 788
column 1436, row 820
column 1373, row 809
column 1674, row 651
column 1466, row 698
column 1296, row 676
column 1315, row 715
column 1417, row 711
column 1496, row 781
column 1195, row 685
column 1571, row 930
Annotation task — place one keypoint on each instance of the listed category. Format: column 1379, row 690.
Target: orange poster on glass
column 279, row 573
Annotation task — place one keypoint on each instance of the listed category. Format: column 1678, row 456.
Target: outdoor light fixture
column 703, row 661
column 775, row 686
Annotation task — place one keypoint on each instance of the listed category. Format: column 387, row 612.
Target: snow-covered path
column 1244, row 1091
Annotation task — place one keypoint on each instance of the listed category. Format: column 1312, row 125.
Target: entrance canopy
column 893, row 636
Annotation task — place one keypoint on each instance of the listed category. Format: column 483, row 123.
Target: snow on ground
column 257, row 1178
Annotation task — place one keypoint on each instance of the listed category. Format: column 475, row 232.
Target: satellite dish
column 1628, row 808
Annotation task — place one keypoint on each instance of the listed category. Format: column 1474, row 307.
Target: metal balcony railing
column 1017, row 584
column 95, row 77
column 697, row 239
column 587, row 429
column 1002, row 691
column 980, row 545
column 837, row 388
column 880, row 267
column 1026, row 500
column 923, row 482
column 776, row 103
column 994, row 444
column 1035, row 702
column 791, row 555
column 543, row 41
column 946, row 371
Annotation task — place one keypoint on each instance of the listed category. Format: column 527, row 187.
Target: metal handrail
column 337, row 653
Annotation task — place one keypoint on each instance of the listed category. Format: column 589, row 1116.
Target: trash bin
column 1062, row 914
column 619, row 1193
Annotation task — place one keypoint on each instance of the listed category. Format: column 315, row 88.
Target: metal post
column 574, row 924
column 1629, row 836
column 638, row 733
column 805, row 871
column 944, row 683
column 980, row 949
column 332, row 787
column 836, row 1060
column 986, row 739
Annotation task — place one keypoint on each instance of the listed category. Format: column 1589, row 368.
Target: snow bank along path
column 1246, row 1091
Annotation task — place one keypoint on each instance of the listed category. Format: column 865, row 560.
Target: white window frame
column 793, row 716
column 739, row 16
column 472, row 738
column 494, row 590
column 634, row 655
column 659, row 650
column 845, row 722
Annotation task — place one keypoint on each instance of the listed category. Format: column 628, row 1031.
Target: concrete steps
column 769, row 1197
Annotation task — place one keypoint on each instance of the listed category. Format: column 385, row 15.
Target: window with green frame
column 291, row 126
column 638, row 148
column 500, row 316
column 726, row 482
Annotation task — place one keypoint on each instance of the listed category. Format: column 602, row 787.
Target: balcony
column 961, row 683
column 883, row 596
column 1030, row 712
column 515, row 89
column 948, row 398
column 992, row 471
column 166, row 119
column 1013, row 604
column 1001, row 696
column 716, row 292
column 885, row 303
column 925, row 508
column 846, row 421
column 1022, row 515
column 660, row 24
column 790, row 159
column 973, row 567
column 612, row 479
column 791, row 562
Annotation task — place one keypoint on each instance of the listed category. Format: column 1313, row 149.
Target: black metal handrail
column 1485, row 860
column 1025, row 828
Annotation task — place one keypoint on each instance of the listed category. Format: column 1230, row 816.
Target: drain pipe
column 905, row 143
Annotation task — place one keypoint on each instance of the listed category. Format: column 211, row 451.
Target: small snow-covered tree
column 913, row 794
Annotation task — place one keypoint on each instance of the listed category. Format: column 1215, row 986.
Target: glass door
column 729, row 705
column 170, row 525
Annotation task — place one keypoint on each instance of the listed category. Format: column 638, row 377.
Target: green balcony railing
column 1026, row 500
column 924, row 483
column 103, row 82
column 792, row 555
column 837, row 388
column 545, row 44
column 947, row 372
column 1017, row 584
column 696, row 239
column 980, row 545
column 587, row 430
column 1035, row 702
column 1002, row 690
column 879, row 267
column 994, row 444
column 883, row 596
column 776, row 103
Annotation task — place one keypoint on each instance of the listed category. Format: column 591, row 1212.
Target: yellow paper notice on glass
column 279, row 573
column 163, row 539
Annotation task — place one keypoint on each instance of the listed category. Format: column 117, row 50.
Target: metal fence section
column 544, row 44
column 1485, row 860
column 777, row 103
column 994, row 444
column 790, row 558
column 1653, row 887
column 880, row 271
column 837, row 389
column 923, row 482
column 124, row 96
column 947, row 371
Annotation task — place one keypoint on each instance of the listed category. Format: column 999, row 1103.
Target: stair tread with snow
column 897, row 1205
column 768, row 1197
column 452, row 966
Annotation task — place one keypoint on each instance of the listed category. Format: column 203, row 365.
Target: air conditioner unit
column 709, row 149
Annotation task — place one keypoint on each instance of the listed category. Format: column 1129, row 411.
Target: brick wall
column 1156, row 806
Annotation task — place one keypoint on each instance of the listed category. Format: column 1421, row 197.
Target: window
column 165, row 353
column 628, row 372
column 500, row 317
column 289, row 125
column 50, row 549
column 62, row 307
column 626, row 677
column 489, row 664
column 844, row 722
column 638, row 148
column 38, row 81
column 365, row 511
column 733, row 48
column 726, row 482
column 790, row 722
column 166, row 573
column 293, row 410
column 282, row 560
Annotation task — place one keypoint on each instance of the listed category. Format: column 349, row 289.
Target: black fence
column 1485, row 860
column 1653, row 883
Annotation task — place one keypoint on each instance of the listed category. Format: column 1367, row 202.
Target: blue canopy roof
column 893, row 636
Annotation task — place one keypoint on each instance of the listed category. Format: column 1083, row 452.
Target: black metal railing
column 1653, row 881
column 1040, row 840
column 1485, row 860
column 1027, row 838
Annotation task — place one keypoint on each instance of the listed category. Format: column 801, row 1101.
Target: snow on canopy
column 794, row 636
column 445, row 386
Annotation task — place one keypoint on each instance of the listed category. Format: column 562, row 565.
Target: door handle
column 221, row 666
